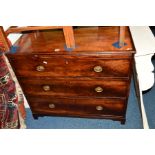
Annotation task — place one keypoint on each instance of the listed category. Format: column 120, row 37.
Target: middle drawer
column 75, row 87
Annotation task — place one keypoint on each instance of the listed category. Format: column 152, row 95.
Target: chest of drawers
column 91, row 81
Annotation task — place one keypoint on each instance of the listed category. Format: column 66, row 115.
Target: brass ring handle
column 99, row 108
column 51, row 106
column 99, row 89
column 98, row 69
column 46, row 88
column 40, row 68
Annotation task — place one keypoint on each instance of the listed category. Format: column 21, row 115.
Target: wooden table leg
column 67, row 30
column 4, row 40
column 69, row 36
column 122, row 36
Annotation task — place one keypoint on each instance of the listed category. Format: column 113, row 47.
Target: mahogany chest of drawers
column 91, row 81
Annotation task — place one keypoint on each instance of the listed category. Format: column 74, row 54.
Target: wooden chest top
column 88, row 40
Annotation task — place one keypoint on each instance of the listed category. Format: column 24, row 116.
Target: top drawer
column 69, row 66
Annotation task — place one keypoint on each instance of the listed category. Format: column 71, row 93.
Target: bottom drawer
column 77, row 107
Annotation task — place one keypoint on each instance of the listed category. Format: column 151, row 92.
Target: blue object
column 69, row 49
column 13, row 50
column 117, row 45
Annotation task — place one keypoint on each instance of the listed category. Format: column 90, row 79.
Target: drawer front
column 71, row 88
column 59, row 66
column 80, row 106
